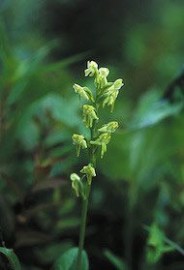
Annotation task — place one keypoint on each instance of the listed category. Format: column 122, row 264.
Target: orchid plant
column 103, row 95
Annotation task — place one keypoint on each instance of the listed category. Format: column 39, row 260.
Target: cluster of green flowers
column 105, row 94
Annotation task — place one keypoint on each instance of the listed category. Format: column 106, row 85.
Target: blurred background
column 136, row 210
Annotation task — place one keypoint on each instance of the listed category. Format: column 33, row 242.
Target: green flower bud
column 101, row 77
column 92, row 69
column 109, row 128
column 89, row 115
column 115, row 87
column 111, row 93
column 77, row 185
column 104, row 72
column 118, row 84
column 84, row 92
column 110, row 100
column 89, row 171
column 80, row 142
column 102, row 140
column 81, row 91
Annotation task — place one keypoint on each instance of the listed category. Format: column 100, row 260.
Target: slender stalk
column 85, row 205
column 83, row 227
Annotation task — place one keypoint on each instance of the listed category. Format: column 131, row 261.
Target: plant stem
column 85, row 203
column 83, row 226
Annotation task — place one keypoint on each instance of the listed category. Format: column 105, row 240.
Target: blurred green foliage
column 43, row 47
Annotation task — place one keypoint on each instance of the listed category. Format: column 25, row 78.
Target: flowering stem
column 105, row 94
column 83, row 226
column 85, row 205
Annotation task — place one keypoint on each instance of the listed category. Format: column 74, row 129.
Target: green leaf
column 68, row 259
column 65, row 62
column 156, row 245
column 152, row 109
column 116, row 261
column 12, row 258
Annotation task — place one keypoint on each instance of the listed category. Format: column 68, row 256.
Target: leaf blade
column 67, row 260
column 12, row 258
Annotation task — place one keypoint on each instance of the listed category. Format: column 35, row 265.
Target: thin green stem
column 85, row 208
column 83, row 227
column 91, row 117
column 85, row 201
